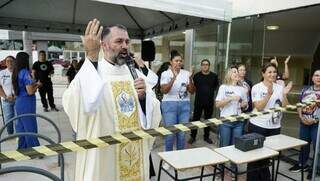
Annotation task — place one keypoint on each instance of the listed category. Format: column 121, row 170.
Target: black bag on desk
column 249, row 141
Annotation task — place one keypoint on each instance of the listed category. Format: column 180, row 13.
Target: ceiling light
column 272, row 27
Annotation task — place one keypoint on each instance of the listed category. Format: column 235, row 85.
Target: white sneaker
column 165, row 166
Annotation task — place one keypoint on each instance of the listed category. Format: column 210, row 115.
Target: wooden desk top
column 192, row 158
column 282, row 142
column 240, row 157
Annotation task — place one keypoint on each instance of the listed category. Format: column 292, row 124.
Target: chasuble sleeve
column 153, row 114
column 71, row 101
column 91, row 86
column 83, row 95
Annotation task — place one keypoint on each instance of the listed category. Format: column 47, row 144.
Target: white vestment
column 103, row 102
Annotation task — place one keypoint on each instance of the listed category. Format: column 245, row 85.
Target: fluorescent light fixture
column 184, row 32
column 272, row 27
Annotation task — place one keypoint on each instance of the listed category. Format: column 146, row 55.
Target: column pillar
column 27, row 45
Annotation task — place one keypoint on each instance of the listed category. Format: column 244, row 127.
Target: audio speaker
column 148, row 51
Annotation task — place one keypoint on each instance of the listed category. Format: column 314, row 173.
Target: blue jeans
column 175, row 112
column 228, row 131
column 227, row 134
column 308, row 133
column 8, row 113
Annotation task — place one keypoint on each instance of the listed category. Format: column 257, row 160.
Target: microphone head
column 129, row 58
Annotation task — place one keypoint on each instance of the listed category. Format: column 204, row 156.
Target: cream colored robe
column 92, row 103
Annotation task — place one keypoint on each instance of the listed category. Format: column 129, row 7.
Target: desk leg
column 159, row 173
column 302, row 164
column 214, row 172
column 175, row 175
column 222, row 173
column 201, row 176
column 272, row 173
column 236, row 173
column 277, row 169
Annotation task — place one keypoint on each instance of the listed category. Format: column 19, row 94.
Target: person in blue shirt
column 24, row 88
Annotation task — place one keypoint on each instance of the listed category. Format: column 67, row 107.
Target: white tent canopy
column 53, row 48
column 252, row 7
column 143, row 18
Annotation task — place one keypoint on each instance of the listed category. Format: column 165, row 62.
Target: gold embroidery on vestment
column 129, row 155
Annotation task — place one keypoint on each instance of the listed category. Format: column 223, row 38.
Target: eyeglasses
column 205, row 64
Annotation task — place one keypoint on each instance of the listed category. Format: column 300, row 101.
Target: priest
column 106, row 98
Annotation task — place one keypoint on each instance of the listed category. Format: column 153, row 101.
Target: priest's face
column 116, row 45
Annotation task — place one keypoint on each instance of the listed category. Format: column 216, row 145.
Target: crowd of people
column 18, row 86
column 134, row 104
column 235, row 95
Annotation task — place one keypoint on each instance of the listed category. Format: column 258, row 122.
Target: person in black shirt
column 206, row 82
column 42, row 71
column 71, row 73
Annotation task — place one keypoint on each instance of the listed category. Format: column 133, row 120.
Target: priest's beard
column 119, row 58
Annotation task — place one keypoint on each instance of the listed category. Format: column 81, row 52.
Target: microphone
column 132, row 68
column 131, row 65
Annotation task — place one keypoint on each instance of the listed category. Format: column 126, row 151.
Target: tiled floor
column 60, row 118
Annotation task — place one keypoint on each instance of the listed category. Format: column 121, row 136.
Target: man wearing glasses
column 205, row 82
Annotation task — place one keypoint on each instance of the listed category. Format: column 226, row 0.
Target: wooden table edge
column 239, row 163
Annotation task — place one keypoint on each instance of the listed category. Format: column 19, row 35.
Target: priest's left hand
column 138, row 60
column 140, row 86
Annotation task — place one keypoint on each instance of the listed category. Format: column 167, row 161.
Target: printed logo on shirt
column 276, row 116
column 43, row 67
column 5, row 78
column 313, row 110
column 183, row 91
column 229, row 93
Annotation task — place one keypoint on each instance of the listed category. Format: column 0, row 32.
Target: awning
column 143, row 18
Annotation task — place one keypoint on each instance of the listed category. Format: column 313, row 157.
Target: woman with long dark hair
column 265, row 95
column 164, row 67
column 25, row 88
column 176, row 85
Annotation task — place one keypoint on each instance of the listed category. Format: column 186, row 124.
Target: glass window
column 210, row 43
column 82, row 55
column 247, row 45
column 74, row 55
column 11, row 45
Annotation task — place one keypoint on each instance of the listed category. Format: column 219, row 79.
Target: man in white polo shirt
column 6, row 93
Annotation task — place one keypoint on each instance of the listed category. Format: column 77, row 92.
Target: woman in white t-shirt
column 231, row 98
column 176, row 84
column 265, row 95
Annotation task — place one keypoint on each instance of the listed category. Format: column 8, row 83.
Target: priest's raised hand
column 91, row 40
